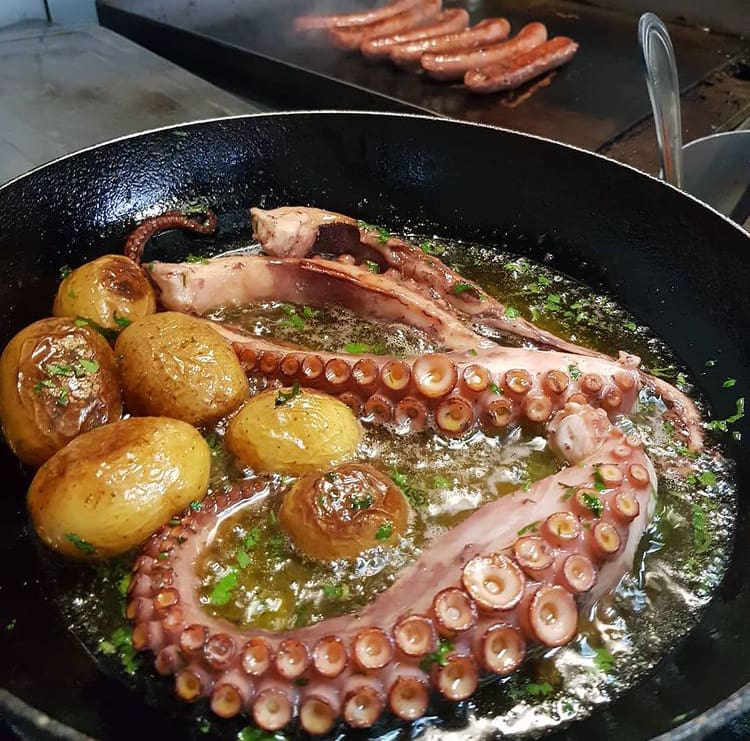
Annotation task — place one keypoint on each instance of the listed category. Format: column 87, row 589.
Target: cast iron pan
column 680, row 267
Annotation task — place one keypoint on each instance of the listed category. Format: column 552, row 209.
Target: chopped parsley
column 243, row 560
column 275, row 546
column 530, row 528
column 668, row 427
column 707, row 478
column 163, row 555
column 196, row 258
column 196, row 506
column 222, row 591
column 292, row 319
column 252, row 538
column 121, row 321
column 108, row 334
column 373, row 267
column 441, row 482
column 593, row 504
column 46, row 384
column 729, row 383
column 282, row 397
column 511, row 313
column 473, row 352
column 357, row 348
column 250, row 733
column 384, row 531
column 574, row 371
column 59, row 369
column 539, row 690
column 82, row 545
column 383, row 234
column 459, row 288
column 89, row 366
column 439, row 656
column 65, row 271
column 568, row 493
column 358, row 503
column 72, row 294
column 415, row 495
column 599, row 484
column 430, row 248
column 701, row 537
column 603, row 660
column 630, row 325
column 722, row 425
column 495, row 388
column 552, row 302
column 11, row 624
column 121, row 643
column 301, row 681
column 680, row 380
column 335, row 591
column 710, row 363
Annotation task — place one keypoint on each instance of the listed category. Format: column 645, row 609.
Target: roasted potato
column 293, row 431
column 344, row 511
column 111, row 291
column 108, row 490
column 174, row 365
column 57, row 380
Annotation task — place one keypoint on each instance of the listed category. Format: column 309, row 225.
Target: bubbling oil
column 681, row 559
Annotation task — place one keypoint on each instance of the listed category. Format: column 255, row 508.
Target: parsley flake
column 222, row 591
column 357, row 348
column 82, row 545
column 358, row 503
column 243, row 560
column 574, row 371
column 373, row 267
column 707, row 478
column 630, row 326
column 196, row 258
column 599, row 484
column 196, row 506
column 729, row 383
column 384, row 531
column 252, row 538
column 65, row 271
column 511, row 313
column 603, row 660
column 90, row 366
column 593, row 504
column 292, row 319
column 530, row 528
column 441, row 482
column 439, row 657
column 710, row 363
column 701, row 537
column 495, row 388
column 722, row 425
column 121, row 321
column 430, row 248
column 282, row 397
column 539, row 690
column 459, row 288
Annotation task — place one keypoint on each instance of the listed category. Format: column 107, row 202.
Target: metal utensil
column 716, row 168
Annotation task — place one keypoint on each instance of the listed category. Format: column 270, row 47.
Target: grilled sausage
column 488, row 31
column 352, row 38
column 513, row 72
column 455, row 66
column 344, row 20
column 449, row 21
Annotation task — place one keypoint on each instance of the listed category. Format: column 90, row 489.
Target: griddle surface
column 598, row 96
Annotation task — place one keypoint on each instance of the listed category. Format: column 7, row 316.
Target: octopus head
column 284, row 232
column 577, row 430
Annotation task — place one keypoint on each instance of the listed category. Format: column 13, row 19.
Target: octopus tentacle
column 488, row 589
column 148, row 228
column 299, row 231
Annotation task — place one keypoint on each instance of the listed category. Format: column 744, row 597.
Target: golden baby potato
column 174, row 365
column 344, row 511
column 57, row 380
column 291, row 430
column 106, row 491
column 111, row 291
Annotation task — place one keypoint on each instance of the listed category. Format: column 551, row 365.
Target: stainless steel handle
column 664, row 91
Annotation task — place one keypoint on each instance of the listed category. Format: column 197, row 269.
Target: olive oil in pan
column 681, row 559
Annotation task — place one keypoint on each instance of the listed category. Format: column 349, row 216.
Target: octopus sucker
column 492, row 599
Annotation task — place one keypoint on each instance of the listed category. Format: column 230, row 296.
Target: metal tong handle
column 664, row 91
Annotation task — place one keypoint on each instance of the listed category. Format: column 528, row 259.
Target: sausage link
column 454, row 66
column 352, row 38
column 514, row 72
column 488, row 31
column 449, row 21
column 345, row 20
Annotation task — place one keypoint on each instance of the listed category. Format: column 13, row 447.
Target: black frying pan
column 680, row 267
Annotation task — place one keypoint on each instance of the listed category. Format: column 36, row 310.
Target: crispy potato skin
column 57, row 380
column 104, row 290
column 340, row 513
column 307, row 432
column 114, row 486
column 174, row 365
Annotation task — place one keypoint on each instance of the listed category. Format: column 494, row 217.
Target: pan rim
column 384, row 114
column 714, row 717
